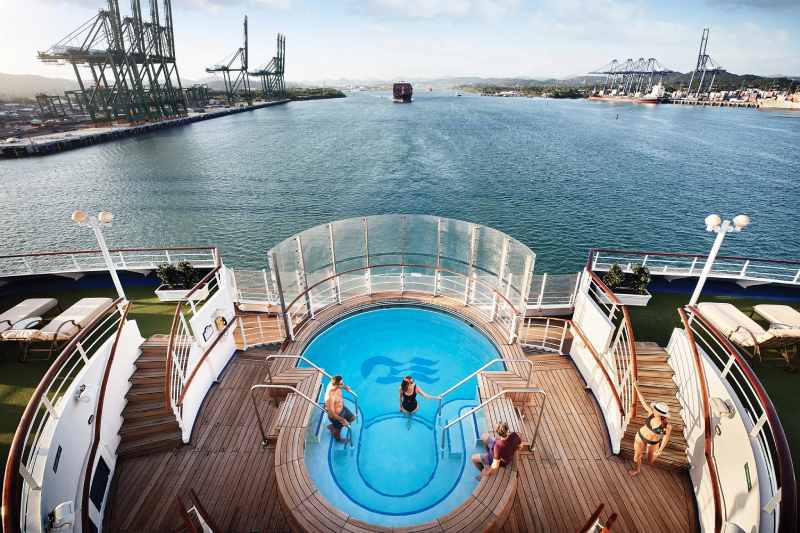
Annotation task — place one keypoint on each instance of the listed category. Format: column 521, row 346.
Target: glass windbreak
column 402, row 250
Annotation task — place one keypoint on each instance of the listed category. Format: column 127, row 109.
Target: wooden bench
column 294, row 410
column 503, row 409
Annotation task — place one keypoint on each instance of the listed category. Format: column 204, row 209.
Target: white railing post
column 436, row 279
column 691, row 268
column 541, row 291
column 244, row 335
column 563, row 337
column 796, row 277
column 744, row 268
column 337, row 287
column 28, row 477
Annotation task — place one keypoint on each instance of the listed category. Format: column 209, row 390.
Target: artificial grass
column 19, row 380
column 656, row 322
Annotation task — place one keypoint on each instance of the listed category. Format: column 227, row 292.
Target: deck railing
column 182, row 338
column 24, row 467
column 742, row 269
column 767, row 435
column 254, row 287
column 547, row 334
column 553, row 291
column 400, row 278
column 40, row 263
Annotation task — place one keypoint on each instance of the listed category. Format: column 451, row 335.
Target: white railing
column 255, row 329
column 776, row 477
column 604, row 341
column 254, row 287
column 544, row 333
column 742, row 269
column 26, row 458
column 93, row 261
column 553, row 291
column 470, row 291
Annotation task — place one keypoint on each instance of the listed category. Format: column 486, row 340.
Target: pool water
column 394, row 471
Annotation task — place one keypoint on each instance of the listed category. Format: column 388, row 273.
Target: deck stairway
column 257, row 329
column 148, row 425
column 657, row 385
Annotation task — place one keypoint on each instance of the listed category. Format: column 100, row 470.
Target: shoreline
column 61, row 142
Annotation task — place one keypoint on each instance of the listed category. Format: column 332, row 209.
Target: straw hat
column 661, row 408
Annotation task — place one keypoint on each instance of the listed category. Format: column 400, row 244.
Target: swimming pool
column 395, row 473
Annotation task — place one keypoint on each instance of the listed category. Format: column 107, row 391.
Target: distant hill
column 28, row 86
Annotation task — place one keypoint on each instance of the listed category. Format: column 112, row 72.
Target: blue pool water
column 395, row 472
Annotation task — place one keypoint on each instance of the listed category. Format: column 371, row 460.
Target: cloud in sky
column 384, row 39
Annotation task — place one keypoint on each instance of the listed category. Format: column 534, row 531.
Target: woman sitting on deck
column 408, row 395
column 500, row 450
column 653, row 435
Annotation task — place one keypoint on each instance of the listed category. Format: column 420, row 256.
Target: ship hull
column 626, row 99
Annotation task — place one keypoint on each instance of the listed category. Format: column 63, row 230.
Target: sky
column 418, row 39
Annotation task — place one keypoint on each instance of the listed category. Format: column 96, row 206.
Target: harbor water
column 559, row 175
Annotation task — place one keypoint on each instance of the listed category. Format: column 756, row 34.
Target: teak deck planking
column 559, row 484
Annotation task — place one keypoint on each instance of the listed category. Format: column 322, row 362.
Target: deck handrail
column 212, row 249
column 481, row 369
column 276, row 386
column 14, row 467
column 484, row 403
column 784, row 468
column 708, row 438
column 594, row 251
column 98, row 420
column 202, row 360
column 311, row 364
column 501, row 308
column 600, row 364
column 546, row 321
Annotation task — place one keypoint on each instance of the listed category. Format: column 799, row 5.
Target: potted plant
column 178, row 280
column 630, row 288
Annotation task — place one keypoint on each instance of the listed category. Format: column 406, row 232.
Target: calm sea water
column 561, row 176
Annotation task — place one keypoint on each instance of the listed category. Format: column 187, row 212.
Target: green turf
column 656, row 322
column 18, row 380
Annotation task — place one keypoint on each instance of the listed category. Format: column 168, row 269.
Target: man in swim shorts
column 339, row 415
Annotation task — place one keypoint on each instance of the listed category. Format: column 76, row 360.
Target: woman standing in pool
column 408, row 395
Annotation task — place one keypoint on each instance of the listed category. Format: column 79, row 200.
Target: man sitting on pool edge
column 338, row 413
column 500, row 450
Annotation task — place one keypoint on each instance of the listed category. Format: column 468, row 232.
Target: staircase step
column 164, row 422
column 148, row 444
column 148, row 376
column 145, row 393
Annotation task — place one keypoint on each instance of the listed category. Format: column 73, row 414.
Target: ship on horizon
column 402, row 92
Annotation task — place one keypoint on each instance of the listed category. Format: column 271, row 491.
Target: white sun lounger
column 63, row 327
column 747, row 333
column 32, row 307
column 779, row 316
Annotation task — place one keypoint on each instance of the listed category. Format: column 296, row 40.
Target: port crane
column 271, row 74
column 234, row 72
column 705, row 65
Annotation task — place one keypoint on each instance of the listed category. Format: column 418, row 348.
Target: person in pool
column 338, row 413
column 653, row 436
column 500, row 450
column 408, row 395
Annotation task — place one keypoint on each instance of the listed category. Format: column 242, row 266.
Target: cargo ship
column 656, row 95
column 401, row 92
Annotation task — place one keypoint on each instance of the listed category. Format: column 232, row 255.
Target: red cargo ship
column 401, row 93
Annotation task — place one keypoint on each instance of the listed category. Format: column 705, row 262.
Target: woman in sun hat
column 653, row 436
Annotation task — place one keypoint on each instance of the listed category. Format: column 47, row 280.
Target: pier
column 61, row 142
column 711, row 103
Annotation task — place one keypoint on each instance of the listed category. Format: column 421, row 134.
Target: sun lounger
column 26, row 309
column 62, row 328
column 747, row 333
column 779, row 316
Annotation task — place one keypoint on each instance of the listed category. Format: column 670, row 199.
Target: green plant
column 614, row 277
column 187, row 274
column 169, row 275
column 640, row 275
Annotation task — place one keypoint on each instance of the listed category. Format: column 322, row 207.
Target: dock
column 712, row 103
column 60, row 142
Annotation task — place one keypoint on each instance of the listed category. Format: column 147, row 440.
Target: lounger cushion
column 779, row 316
column 25, row 309
column 81, row 312
column 733, row 323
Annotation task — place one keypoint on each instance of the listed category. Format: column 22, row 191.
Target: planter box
column 179, row 295
column 633, row 299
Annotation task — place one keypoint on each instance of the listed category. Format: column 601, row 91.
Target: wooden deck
column 569, row 473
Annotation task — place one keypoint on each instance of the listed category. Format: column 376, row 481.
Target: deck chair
column 779, row 316
column 25, row 311
column 60, row 329
column 748, row 334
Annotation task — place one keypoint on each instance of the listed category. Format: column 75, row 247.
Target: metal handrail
column 273, row 386
column 481, row 369
column 311, row 364
column 483, row 404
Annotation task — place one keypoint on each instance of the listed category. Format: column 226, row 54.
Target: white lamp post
column 103, row 218
column 721, row 228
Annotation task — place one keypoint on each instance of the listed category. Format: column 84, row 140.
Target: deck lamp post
column 721, row 227
column 103, row 218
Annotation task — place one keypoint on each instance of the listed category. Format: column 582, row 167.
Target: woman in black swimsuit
column 653, row 435
column 408, row 395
